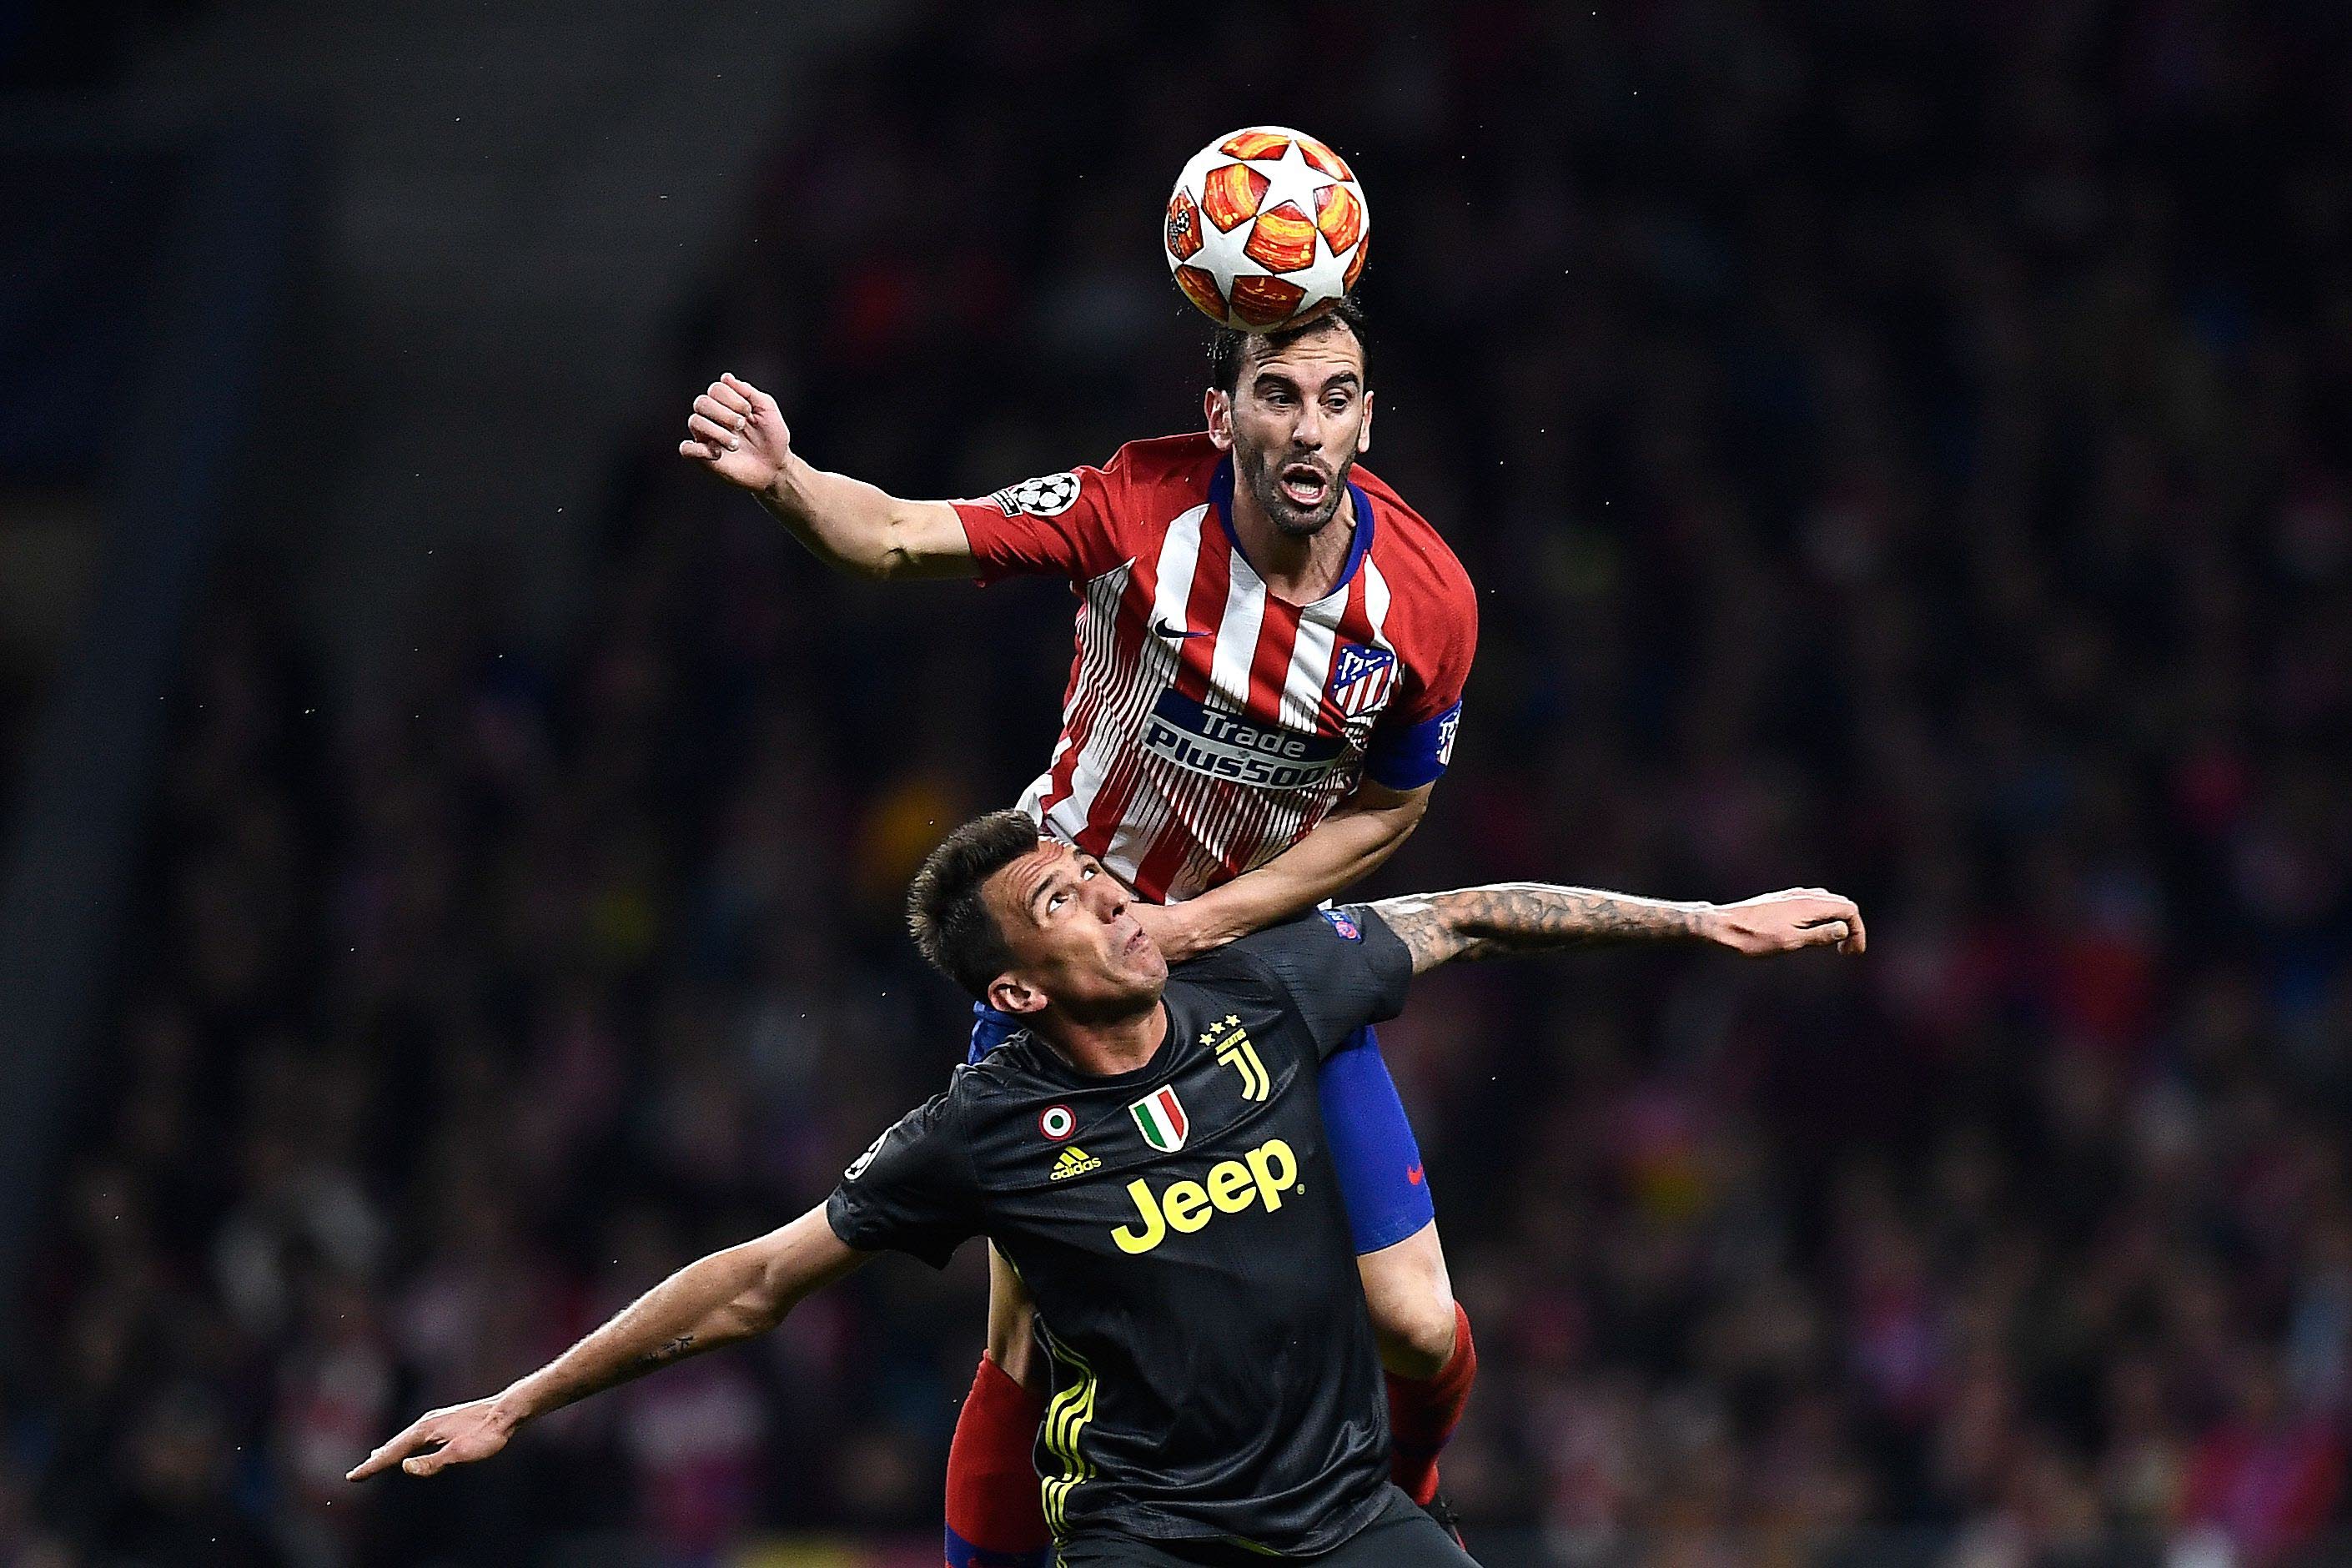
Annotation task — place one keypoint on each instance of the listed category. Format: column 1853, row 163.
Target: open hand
column 738, row 432
column 1787, row 922
column 456, row 1435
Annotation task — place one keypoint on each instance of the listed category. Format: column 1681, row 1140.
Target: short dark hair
column 944, row 911
column 1230, row 345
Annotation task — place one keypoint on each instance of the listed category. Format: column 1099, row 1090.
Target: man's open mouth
column 1304, row 485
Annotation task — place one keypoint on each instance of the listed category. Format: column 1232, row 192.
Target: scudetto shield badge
column 1160, row 1117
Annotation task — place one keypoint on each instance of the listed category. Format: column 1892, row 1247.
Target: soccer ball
column 1266, row 229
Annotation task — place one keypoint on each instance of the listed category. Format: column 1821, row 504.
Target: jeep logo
column 1231, row 1187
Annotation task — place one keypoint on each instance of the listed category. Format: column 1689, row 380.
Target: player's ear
column 1364, row 430
column 1217, row 408
column 1008, row 993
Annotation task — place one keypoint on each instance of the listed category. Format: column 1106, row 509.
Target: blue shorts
column 1372, row 1145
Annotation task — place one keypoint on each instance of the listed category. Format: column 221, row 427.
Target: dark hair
column 944, row 912
column 1230, row 346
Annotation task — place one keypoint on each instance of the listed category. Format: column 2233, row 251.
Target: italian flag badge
column 1160, row 1117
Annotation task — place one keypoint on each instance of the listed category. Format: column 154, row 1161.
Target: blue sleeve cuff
column 1410, row 757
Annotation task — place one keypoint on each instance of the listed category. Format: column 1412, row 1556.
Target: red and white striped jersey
column 1208, row 725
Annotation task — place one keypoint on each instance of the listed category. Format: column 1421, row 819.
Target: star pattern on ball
column 1299, row 246
column 1291, row 180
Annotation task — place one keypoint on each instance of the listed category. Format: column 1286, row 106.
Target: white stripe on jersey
column 1180, row 554
column 1229, row 676
column 1139, row 830
column 1376, row 603
column 1148, row 809
column 1310, row 659
column 1302, row 694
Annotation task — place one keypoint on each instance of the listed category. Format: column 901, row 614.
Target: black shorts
column 1401, row 1536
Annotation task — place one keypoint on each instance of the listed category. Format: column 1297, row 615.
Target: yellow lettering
column 1275, row 1167
column 1187, row 1205
column 1229, row 1186
column 1154, row 1231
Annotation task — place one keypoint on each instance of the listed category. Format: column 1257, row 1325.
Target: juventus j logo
column 1235, row 1049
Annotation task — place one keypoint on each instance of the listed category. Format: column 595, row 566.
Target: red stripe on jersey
column 1108, row 808
column 1211, row 579
column 1355, row 627
column 1277, row 641
column 1087, row 708
column 1078, row 731
column 1191, row 801
column 1278, row 635
column 1249, row 837
column 1156, row 873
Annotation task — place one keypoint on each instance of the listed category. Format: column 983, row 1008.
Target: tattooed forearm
column 1530, row 917
column 711, row 1302
column 668, row 1351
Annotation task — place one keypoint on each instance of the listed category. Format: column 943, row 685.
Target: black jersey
column 1182, row 1230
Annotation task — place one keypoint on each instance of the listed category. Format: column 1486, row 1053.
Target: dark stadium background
column 450, row 851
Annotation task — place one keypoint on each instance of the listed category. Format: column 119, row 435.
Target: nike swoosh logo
column 1160, row 628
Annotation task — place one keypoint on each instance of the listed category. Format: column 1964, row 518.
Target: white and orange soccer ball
column 1266, row 229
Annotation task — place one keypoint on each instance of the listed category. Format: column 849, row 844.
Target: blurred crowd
column 1899, row 448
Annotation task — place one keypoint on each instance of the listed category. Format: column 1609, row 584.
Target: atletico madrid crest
column 1360, row 679
column 1160, row 1117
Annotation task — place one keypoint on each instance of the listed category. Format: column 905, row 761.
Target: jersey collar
column 1220, row 501
column 1059, row 1067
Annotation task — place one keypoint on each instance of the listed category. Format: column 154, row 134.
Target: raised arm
column 1339, row 852
column 736, row 432
column 1536, row 917
column 713, row 1302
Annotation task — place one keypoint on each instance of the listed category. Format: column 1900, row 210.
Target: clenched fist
column 738, row 432
column 1787, row 921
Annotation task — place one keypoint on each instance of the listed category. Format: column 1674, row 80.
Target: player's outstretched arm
column 1536, row 917
column 736, row 432
column 716, row 1300
column 1339, row 852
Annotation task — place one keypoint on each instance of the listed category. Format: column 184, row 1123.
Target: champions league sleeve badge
column 1048, row 495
